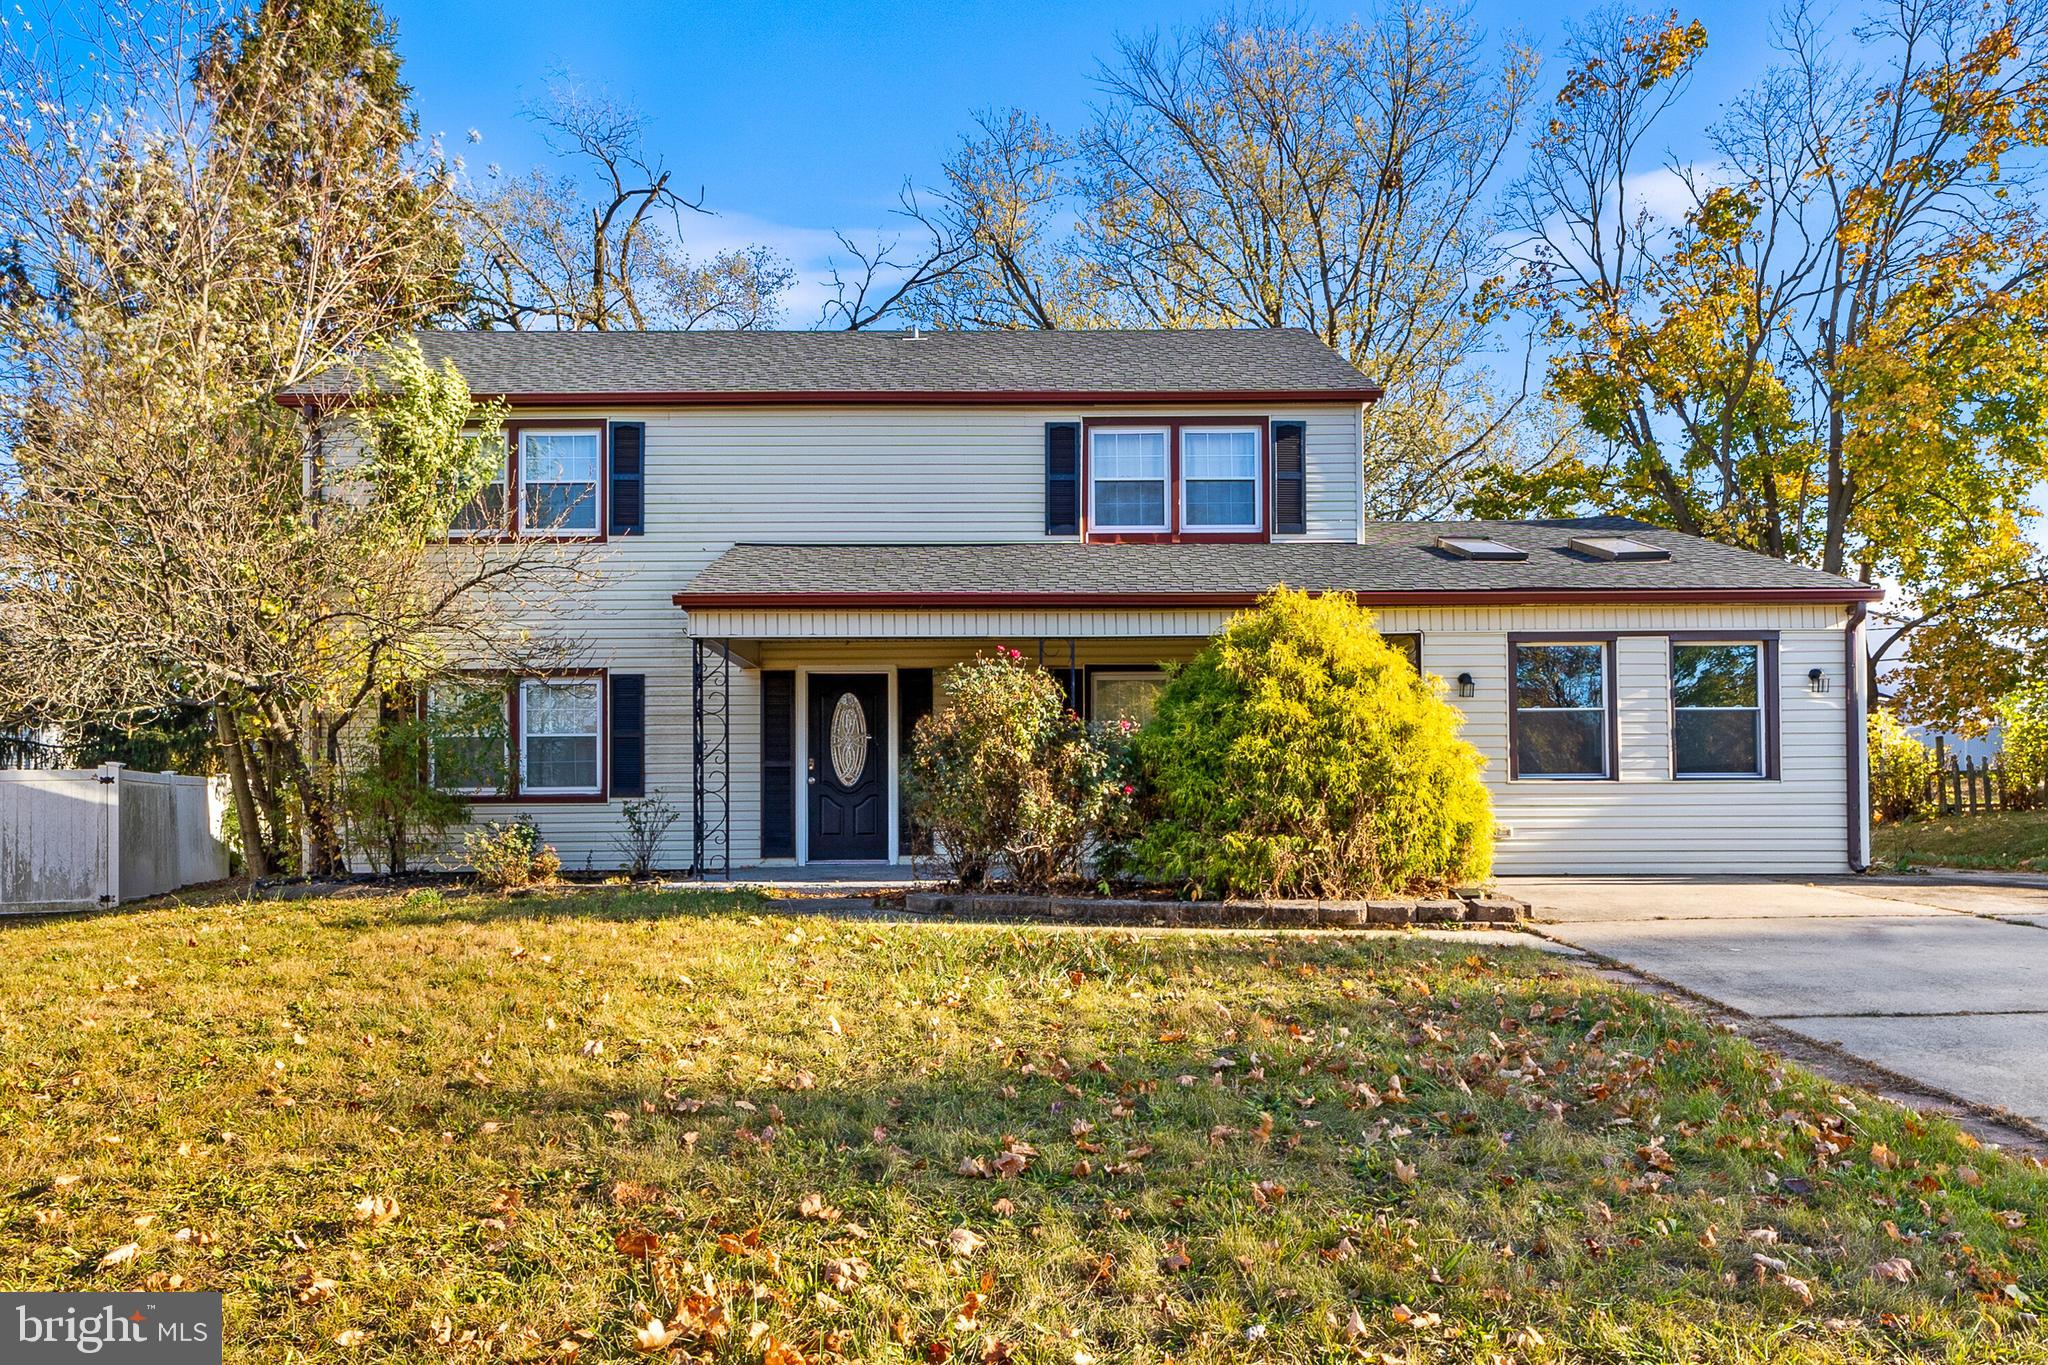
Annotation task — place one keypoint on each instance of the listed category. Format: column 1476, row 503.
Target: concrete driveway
column 1940, row 980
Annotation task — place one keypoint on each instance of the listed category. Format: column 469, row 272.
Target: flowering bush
column 1004, row 775
column 1300, row 755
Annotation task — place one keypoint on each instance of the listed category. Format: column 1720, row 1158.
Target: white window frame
column 526, row 685
column 597, row 490
column 1166, row 449
column 506, row 509
column 1258, row 520
column 1606, row 709
column 504, row 715
column 1763, row 702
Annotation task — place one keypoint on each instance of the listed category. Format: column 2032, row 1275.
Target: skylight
column 1618, row 547
column 1478, row 547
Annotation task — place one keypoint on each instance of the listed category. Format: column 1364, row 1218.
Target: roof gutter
column 910, row 600
column 763, row 398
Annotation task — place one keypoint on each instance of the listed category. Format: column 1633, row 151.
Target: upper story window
column 558, row 474
column 1219, row 479
column 1128, row 474
column 1181, row 478
column 485, row 513
column 1563, row 720
column 1717, row 709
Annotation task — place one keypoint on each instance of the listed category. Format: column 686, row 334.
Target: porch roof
column 1393, row 563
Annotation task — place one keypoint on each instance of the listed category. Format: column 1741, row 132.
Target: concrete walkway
column 1941, row 980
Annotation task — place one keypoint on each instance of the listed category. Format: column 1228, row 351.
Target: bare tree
column 602, row 248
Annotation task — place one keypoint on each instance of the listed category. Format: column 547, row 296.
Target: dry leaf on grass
column 120, row 1255
column 1898, row 1270
column 962, row 1242
column 376, row 1210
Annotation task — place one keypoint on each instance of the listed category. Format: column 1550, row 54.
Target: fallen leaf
column 376, row 1210
column 120, row 1255
column 653, row 1335
column 1898, row 1270
column 636, row 1242
column 351, row 1336
column 962, row 1242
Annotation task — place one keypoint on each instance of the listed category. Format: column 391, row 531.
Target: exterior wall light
column 1465, row 687
column 1816, row 681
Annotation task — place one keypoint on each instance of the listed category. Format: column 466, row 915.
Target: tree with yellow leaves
column 1835, row 353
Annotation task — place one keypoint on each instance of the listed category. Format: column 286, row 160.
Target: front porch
column 800, row 744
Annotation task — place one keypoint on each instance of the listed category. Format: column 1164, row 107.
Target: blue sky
column 801, row 118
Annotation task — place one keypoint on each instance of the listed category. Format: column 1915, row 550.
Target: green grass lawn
column 477, row 1128
column 2015, row 840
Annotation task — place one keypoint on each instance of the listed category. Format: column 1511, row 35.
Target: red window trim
column 515, row 503
column 1175, row 533
column 513, row 736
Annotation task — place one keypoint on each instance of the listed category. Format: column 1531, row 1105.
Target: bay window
column 1562, row 721
column 1127, row 479
column 1718, row 700
column 559, row 724
column 558, row 475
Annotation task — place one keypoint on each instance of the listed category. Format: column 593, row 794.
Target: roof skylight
column 1618, row 548
column 1478, row 547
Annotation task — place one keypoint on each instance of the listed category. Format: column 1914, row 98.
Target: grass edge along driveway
column 607, row 1125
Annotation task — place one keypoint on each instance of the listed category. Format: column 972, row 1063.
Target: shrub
column 507, row 857
column 1004, row 775
column 2023, row 724
column 1901, row 768
column 393, row 812
column 1300, row 754
column 647, row 823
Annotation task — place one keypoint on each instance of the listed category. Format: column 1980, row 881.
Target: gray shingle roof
column 1397, row 559
column 889, row 364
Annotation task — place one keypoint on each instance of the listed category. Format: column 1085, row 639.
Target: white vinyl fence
column 75, row 839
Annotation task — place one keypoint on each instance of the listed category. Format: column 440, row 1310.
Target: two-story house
column 796, row 533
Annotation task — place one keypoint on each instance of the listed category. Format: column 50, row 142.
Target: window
column 1219, row 472
column 466, row 739
column 1127, row 479
column 558, row 736
column 1717, row 709
column 558, row 482
column 1409, row 645
column 1617, row 548
column 1122, row 695
column 1561, row 718
column 485, row 513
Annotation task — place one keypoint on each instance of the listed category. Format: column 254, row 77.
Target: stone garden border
column 1476, row 908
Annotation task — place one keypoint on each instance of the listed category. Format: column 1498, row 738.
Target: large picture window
column 558, row 478
column 1717, row 709
column 1562, row 720
column 1127, row 479
column 466, row 737
column 1219, row 472
column 560, row 720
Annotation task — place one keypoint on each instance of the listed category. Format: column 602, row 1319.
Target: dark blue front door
column 848, row 772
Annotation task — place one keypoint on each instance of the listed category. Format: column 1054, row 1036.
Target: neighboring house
column 798, row 532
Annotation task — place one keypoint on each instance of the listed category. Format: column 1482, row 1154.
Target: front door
column 848, row 776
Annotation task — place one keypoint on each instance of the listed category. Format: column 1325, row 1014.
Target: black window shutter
column 629, row 734
column 1290, row 478
column 629, row 478
column 913, row 704
column 778, row 763
column 1062, row 478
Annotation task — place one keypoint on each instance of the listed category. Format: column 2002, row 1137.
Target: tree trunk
column 255, row 858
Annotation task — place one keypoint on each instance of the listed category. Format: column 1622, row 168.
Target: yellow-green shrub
column 1300, row 755
column 1901, row 767
column 2023, row 723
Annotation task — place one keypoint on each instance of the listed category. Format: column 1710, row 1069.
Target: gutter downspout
column 1855, row 747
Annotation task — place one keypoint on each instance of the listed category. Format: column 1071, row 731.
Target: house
column 797, row 532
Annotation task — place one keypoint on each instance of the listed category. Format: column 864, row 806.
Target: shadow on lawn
column 466, row 906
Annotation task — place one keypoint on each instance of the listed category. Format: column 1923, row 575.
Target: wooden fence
column 1979, row 786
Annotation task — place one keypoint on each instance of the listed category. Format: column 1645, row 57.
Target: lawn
column 2014, row 840
column 476, row 1128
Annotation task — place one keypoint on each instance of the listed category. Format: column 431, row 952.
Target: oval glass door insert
column 849, row 740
